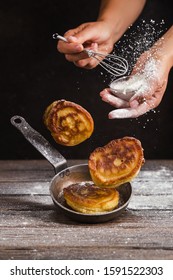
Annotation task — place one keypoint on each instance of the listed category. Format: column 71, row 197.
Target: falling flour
column 139, row 83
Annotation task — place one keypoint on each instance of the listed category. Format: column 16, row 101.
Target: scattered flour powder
column 139, row 83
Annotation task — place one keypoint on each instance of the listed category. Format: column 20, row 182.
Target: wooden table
column 31, row 228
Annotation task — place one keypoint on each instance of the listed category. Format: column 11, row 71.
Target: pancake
column 88, row 199
column 116, row 163
column 69, row 123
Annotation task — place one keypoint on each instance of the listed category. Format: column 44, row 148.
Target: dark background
column 33, row 75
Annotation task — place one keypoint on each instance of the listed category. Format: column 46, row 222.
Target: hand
column 145, row 100
column 101, row 35
column 93, row 35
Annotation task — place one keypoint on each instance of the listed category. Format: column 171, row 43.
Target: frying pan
column 66, row 176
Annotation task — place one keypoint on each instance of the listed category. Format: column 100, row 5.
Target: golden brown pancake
column 117, row 162
column 68, row 122
column 88, row 199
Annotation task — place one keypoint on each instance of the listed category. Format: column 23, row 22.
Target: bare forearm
column 166, row 43
column 120, row 14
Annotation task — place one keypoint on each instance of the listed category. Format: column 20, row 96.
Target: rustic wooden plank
column 151, row 194
column 83, row 236
column 133, row 228
column 42, row 170
column 159, row 174
column 30, row 227
column 6, row 165
column 44, row 164
column 141, row 230
column 158, row 164
column 33, row 202
column 151, row 187
column 26, row 176
column 28, row 171
column 85, row 253
column 53, row 218
column 148, row 195
column 24, row 188
column 25, row 202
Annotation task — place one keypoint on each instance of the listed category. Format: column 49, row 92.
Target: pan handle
column 40, row 143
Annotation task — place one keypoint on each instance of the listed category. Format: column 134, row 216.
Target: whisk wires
column 113, row 64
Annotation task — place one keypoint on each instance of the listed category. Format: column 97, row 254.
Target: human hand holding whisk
column 93, row 36
column 113, row 64
column 114, row 18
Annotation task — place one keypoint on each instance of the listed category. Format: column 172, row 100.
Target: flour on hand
column 139, row 83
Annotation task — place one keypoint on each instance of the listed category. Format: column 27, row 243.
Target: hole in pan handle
column 40, row 143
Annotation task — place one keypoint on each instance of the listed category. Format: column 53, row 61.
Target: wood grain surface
column 31, row 227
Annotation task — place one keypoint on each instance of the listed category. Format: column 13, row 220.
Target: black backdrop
column 33, row 74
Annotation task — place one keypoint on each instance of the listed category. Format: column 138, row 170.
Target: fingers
column 135, row 108
column 85, row 36
column 129, row 112
column 83, row 33
column 71, row 46
column 143, row 95
column 74, row 52
column 82, row 59
column 76, row 56
column 125, row 109
column 136, row 102
column 148, row 96
column 113, row 100
column 87, row 63
column 77, row 38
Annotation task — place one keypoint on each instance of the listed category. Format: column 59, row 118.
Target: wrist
column 119, row 16
column 163, row 48
column 114, row 28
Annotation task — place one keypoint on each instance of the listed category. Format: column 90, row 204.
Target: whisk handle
column 56, row 36
column 59, row 37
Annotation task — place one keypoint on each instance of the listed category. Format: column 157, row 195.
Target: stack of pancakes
column 110, row 166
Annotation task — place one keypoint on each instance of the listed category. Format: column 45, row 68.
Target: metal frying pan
column 66, row 176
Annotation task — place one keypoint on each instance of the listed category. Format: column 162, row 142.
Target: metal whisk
column 113, row 64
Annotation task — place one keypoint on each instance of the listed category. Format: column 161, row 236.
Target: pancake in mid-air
column 117, row 162
column 90, row 199
column 69, row 123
